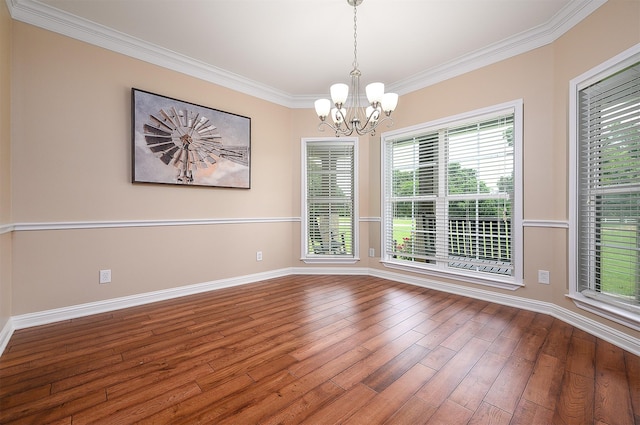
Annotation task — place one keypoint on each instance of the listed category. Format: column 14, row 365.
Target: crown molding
column 52, row 19
column 534, row 38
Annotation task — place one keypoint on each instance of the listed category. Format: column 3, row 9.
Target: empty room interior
column 188, row 235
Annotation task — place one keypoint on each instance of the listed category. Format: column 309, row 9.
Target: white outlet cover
column 543, row 277
column 105, row 276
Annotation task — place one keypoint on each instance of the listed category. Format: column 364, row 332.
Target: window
column 452, row 196
column 605, row 186
column 329, row 200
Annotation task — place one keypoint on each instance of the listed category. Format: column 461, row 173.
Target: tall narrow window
column 451, row 198
column 606, row 186
column 329, row 228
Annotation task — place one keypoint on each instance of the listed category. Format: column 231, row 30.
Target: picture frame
column 182, row 143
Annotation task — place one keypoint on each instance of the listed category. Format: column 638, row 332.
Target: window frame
column 601, row 306
column 494, row 280
column 306, row 256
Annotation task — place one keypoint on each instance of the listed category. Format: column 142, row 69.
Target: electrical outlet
column 259, row 256
column 105, row 276
column 543, row 277
column 372, row 252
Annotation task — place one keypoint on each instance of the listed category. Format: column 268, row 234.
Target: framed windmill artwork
column 181, row 143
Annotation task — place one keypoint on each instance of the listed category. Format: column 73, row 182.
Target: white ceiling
column 290, row 51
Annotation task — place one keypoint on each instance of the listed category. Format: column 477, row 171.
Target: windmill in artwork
column 188, row 141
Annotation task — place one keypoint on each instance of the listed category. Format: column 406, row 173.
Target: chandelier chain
column 355, row 37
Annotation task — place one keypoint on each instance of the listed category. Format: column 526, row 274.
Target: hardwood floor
column 317, row 350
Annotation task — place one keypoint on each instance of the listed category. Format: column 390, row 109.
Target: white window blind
column 329, row 198
column 608, row 260
column 449, row 193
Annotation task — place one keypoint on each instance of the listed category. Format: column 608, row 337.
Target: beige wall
column 5, row 165
column 71, row 161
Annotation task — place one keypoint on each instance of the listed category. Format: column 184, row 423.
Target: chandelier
column 346, row 113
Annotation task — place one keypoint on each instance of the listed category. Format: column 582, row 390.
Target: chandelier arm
column 361, row 130
column 374, row 125
column 387, row 118
column 344, row 118
column 369, row 120
column 347, row 131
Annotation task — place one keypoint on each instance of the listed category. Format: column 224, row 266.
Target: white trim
column 610, row 311
column 337, row 270
column 563, row 21
column 330, row 260
column 476, row 293
column 610, row 66
column 518, row 192
column 5, row 334
column 6, row 228
column 68, row 225
column 602, row 309
column 562, row 224
column 597, row 329
column 516, row 107
column 559, row 224
column 457, row 119
column 474, row 277
column 370, row 219
column 66, row 313
column 72, row 225
column 304, row 228
column 52, row 19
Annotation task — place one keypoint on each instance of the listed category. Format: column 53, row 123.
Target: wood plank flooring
column 317, row 350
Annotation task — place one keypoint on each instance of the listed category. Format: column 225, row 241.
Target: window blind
column 413, row 181
column 449, row 196
column 609, row 188
column 330, row 198
column 480, row 162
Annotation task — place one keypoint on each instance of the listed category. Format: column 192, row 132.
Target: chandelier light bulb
column 323, row 107
column 339, row 93
column 375, row 91
column 389, row 102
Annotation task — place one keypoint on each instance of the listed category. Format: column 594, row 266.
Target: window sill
column 493, row 281
column 608, row 311
column 330, row 260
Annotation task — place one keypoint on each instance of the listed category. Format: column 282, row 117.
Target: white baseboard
column 595, row 328
column 604, row 332
column 5, row 334
column 28, row 320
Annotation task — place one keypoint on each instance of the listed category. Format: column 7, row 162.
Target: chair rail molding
column 68, row 225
